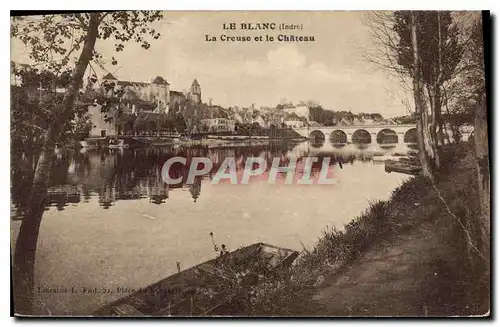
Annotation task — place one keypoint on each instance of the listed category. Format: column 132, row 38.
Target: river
column 111, row 222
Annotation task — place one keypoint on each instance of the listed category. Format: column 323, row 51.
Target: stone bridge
column 365, row 134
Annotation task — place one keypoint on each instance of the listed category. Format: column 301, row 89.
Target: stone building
column 301, row 111
column 157, row 92
column 195, row 92
column 217, row 125
column 177, row 100
column 101, row 125
column 138, row 97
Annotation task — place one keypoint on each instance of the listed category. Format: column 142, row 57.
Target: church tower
column 195, row 92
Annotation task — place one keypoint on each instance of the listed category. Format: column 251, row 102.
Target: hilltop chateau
column 155, row 97
column 157, row 93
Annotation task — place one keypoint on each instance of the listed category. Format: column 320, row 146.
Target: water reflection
column 123, row 175
column 121, row 225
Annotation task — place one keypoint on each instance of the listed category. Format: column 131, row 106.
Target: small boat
column 410, row 168
column 208, row 288
column 93, row 143
column 117, row 144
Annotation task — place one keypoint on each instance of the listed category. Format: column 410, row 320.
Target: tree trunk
column 483, row 171
column 433, row 87
column 420, row 110
column 430, row 139
column 25, row 250
column 436, row 119
column 440, row 134
column 450, row 121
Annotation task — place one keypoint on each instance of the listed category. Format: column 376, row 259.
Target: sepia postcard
column 250, row 163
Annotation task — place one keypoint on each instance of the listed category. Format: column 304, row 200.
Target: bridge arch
column 317, row 135
column 387, row 136
column 338, row 137
column 410, row 136
column 361, row 136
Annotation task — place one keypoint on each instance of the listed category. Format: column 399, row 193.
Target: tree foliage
column 463, row 90
column 432, row 42
column 438, row 41
column 32, row 107
column 54, row 40
column 63, row 43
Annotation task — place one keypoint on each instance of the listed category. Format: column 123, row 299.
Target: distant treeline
column 330, row 117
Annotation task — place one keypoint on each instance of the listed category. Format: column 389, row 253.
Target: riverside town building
column 151, row 98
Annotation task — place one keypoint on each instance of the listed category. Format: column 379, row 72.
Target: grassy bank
column 448, row 208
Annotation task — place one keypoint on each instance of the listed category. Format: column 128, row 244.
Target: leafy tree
column 474, row 100
column 27, row 121
column 32, row 102
column 58, row 43
column 315, row 113
column 80, row 127
column 439, row 52
column 462, row 92
column 447, row 67
column 423, row 47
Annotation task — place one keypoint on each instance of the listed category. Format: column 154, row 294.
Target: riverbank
column 232, row 141
column 407, row 256
column 210, row 141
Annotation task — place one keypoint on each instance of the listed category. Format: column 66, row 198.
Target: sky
column 332, row 70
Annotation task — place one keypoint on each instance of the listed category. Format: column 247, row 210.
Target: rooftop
column 176, row 93
column 127, row 83
column 160, row 80
column 109, row 76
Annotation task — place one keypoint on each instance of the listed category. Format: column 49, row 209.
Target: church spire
column 195, row 92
